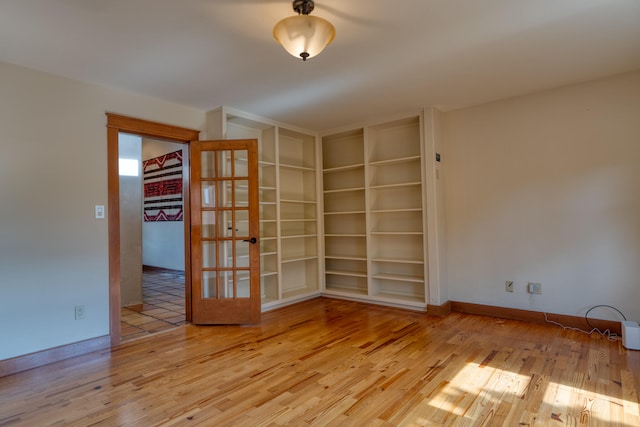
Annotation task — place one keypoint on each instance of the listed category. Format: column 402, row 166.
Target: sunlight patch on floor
column 571, row 404
column 474, row 393
column 481, row 393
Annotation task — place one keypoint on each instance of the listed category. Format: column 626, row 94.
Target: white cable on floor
column 606, row 333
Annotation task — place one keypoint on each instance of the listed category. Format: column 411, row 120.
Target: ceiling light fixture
column 304, row 36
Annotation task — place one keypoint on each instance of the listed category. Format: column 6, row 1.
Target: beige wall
column 130, row 147
column 546, row 188
column 434, row 185
column 53, row 171
column 539, row 188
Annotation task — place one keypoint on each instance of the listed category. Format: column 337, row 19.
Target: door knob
column 251, row 240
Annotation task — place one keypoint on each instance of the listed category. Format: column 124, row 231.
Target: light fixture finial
column 303, row 7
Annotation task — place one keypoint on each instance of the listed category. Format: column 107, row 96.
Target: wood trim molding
column 186, row 218
column 439, row 310
column 151, row 129
column 56, row 354
column 113, row 221
column 535, row 316
column 115, row 124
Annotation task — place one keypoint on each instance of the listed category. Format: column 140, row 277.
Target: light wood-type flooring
column 338, row 363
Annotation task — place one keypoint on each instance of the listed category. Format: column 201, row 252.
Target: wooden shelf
column 265, row 273
column 260, row 187
column 344, row 290
column 402, row 184
column 347, row 273
column 377, row 223
column 417, row 299
column 395, row 210
column 345, row 213
column 304, row 290
column 298, row 259
column 399, row 278
column 344, row 168
column 394, row 161
column 284, row 200
column 343, row 257
column 289, row 218
column 344, row 190
column 396, row 233
column 243, row 160
column 296, row 167
column 298, row 236
column 399, row 260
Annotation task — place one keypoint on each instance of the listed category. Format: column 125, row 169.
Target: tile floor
column 162, row 308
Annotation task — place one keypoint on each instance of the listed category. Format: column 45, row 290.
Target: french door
column 224, row 232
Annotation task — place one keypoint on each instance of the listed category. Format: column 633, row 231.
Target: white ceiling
column 388, row 56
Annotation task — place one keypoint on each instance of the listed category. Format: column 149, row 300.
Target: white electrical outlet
column 508, row 286
column 534, row 288
column 79, row 312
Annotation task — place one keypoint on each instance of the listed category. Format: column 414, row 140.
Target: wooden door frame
column 115, row 124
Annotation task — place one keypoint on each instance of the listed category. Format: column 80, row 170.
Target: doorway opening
column 117, row 124
column 152, row 235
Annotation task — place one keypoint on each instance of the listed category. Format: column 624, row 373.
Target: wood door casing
column 117, row 123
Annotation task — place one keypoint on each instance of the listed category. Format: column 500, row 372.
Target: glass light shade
column 304, row 34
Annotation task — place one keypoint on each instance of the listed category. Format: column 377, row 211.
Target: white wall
column 53, row 171
column 162, row 242
column 546, row 188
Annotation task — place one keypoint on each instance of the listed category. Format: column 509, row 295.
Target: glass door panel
column 226, row 225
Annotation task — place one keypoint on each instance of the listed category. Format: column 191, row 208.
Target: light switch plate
column 99, row 211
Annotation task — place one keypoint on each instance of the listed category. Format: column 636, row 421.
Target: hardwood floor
column 332, row 362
